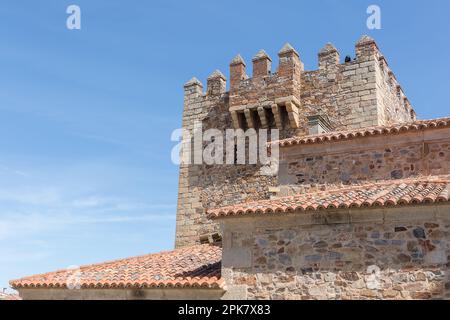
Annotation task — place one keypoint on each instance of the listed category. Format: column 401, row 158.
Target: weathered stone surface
column 319, row 167
column 419, row 233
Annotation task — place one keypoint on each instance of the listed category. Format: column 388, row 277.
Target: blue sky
column 86, row 115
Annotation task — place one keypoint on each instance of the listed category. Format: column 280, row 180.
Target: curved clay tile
column 369, row 131
column 382, row 194
column 177, row 266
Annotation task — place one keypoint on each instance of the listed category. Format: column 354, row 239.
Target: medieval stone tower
column 359, row 93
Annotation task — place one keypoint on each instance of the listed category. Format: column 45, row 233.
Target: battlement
column 356, row 93
column 359, row 92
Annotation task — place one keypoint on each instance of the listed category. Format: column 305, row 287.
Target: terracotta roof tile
column 366, row 132
column 382, row 194
column 196, row 266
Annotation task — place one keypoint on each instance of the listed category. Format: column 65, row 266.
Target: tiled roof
column 366, row 132
column 389, row 193
column 196, row 266
column 6, row 296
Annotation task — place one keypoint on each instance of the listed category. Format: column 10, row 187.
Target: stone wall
column 203, row 186
column 346, row 93
column 362, row 160
column 191, row 221
column 393, row 253
column 393, row 105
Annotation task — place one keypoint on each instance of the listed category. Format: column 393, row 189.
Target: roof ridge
column 372, row 193
column 313, row 138
column 348, row 188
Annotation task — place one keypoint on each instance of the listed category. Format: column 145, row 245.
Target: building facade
column 361, row 93
column 358, row 208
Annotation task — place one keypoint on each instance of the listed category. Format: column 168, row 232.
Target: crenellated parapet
column 358, row 93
